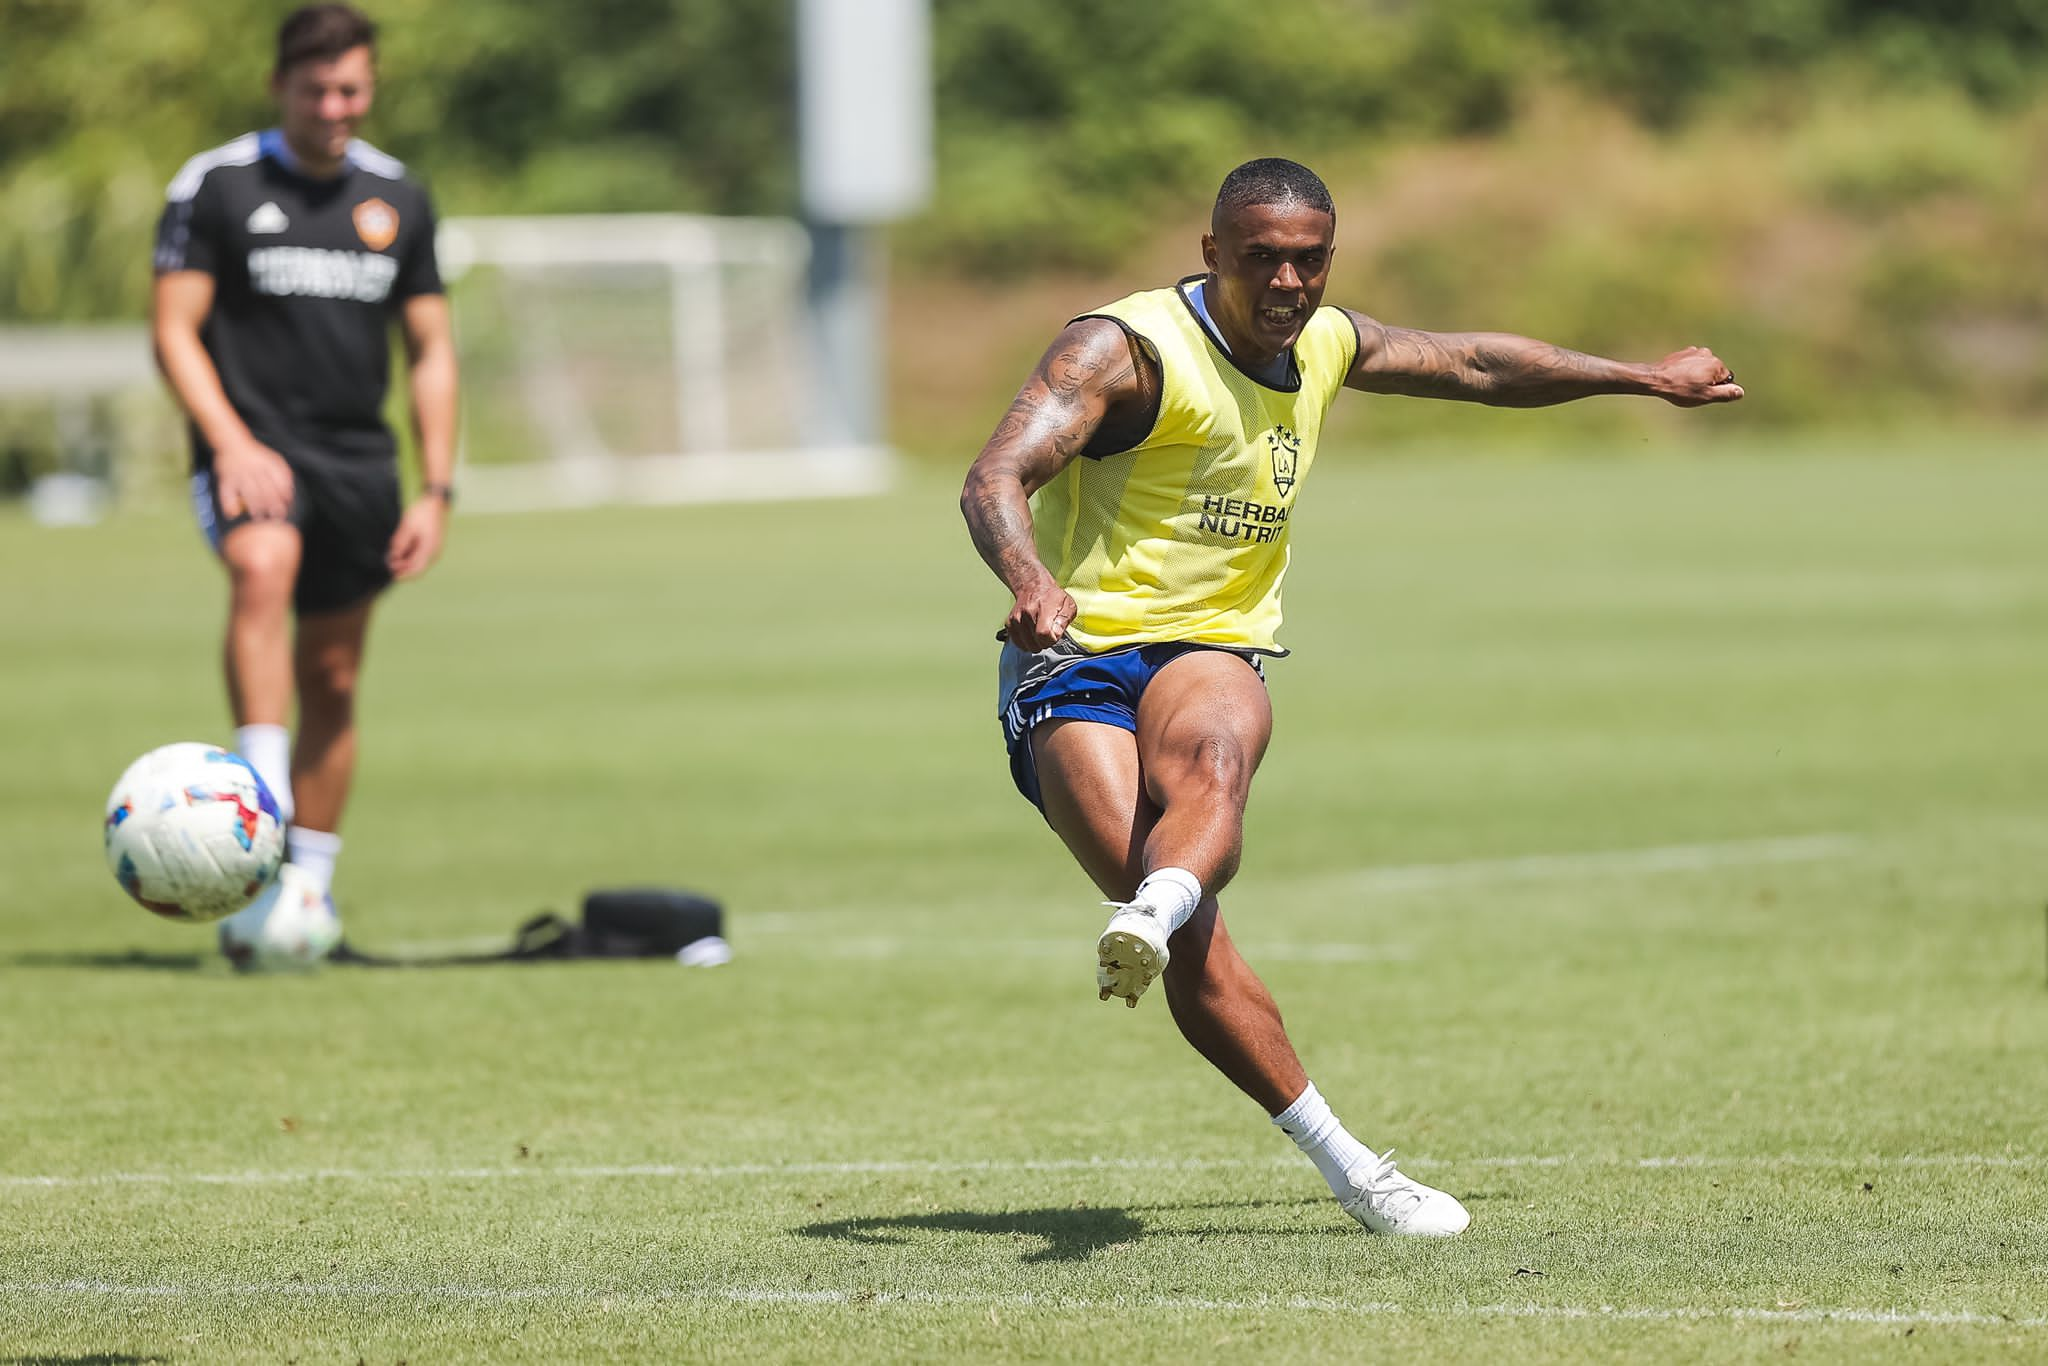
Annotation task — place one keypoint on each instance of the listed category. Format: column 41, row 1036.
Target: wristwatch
column 445, row 492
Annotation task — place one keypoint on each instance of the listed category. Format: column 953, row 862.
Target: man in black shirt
column 281, row 261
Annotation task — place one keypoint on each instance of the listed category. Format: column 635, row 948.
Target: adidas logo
column 268, row 219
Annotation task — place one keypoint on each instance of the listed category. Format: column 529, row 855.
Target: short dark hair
column 320, row 33
column 1271, row 180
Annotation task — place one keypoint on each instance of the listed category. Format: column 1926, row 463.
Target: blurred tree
column 1066, row 127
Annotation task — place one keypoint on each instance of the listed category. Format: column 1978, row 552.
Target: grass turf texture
column 874, row 1135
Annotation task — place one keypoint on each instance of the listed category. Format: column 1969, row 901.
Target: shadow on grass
column 81, row 1359
column 1066, row 1235
column 132, row 959
column 1069, row 1235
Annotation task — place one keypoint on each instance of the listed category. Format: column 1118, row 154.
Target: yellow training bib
column 1184, row 536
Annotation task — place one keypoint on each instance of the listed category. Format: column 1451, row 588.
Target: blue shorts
column 1103, row 688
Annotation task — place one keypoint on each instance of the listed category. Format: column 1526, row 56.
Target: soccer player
column 1136, row 499
column 282, row 259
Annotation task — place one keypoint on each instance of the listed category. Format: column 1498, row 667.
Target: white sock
column 313, row 852
column 1173, row 891
column 269, row 751
column 1327, row 1142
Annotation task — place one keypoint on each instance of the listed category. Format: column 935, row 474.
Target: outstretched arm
column 1518, row 372
column 1086, row 372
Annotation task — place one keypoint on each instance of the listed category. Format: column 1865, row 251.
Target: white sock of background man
column 268, row 749
column 1320, row 1134
column 313, row 853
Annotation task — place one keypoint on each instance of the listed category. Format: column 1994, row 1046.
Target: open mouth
column 1280, row 317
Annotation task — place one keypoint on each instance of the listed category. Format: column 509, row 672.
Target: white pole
column 865, row 118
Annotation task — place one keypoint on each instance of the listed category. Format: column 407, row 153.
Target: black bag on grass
column 648, row 922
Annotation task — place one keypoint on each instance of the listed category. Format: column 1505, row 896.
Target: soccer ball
column 291, row 927
column 192, row 833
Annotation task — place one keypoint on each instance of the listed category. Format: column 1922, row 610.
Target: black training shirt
column 308, row 275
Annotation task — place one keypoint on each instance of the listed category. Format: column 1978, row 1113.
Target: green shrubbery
column 1846, row 188
column 1862, row 260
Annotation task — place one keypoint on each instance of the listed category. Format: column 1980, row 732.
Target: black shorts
column 346, row 510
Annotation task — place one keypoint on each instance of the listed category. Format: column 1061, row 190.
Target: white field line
column 746, row 1170
column 1669, row 858
column 344, row 1290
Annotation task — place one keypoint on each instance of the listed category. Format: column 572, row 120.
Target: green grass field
column 1654, row 851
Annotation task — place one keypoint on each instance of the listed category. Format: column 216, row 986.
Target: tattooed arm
column 1089, row 374
column 1516, row 372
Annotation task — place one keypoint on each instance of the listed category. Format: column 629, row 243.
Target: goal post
column 639, row 358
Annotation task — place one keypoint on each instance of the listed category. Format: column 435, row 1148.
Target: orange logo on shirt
column 376, row 223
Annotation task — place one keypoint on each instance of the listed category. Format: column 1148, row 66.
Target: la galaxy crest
column 1285, row 449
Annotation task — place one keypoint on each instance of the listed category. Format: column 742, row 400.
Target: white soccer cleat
column 1385, row 1201
column 1132, row 951
column 291, row 927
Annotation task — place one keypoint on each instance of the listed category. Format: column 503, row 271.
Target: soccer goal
column 639, row 358
column 83, row 419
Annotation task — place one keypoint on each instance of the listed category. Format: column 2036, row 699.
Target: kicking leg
column 1168, row 804
column 1157, row 815
column 1097, row 799
column 1203, row 725
column 1094, row 799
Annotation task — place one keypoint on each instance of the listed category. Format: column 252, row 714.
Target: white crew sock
column 313, row 852
column 269, row 751
column 1174, row 892
column 1327, row 1142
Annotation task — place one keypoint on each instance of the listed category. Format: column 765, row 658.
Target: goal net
column 638, row 358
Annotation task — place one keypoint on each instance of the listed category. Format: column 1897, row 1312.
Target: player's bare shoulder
column 1130, row 383
column 1093, row 376
column 1097, row 356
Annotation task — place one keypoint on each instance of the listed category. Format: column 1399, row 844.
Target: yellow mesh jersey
column 1184, row 536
